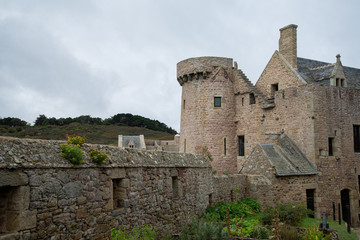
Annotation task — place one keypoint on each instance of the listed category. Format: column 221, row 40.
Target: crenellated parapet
column 201, row 67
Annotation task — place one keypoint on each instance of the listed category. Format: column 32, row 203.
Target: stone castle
column 294, row 136
column 298, row 127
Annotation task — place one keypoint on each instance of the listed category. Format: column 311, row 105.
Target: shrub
column 246, row 206
column 261, row 232
column 289, row 213
column 98, row 156
column 202, row 229
column 144, row 233
column 77, row 140
column 243, row 227
column 73, row 153
column 314, row 233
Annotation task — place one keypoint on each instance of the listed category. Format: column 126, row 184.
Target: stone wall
column 45, row 197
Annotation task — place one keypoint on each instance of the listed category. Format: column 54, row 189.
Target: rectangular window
column 274, row 88
column 356, row 138
column 337, row 82
column 241, row 142
column 252, row 98
column 184, row 145
column 175, row 186
column 217, row 101
column 342, row 82
column 242, row 101
column 184, row 104
column 331, row 146
column 310, row 200
column 224, row 146
column 119, row 192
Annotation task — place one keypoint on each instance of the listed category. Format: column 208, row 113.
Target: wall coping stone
column 37, row 153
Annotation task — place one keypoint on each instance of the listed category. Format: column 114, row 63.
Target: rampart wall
column 45, row 197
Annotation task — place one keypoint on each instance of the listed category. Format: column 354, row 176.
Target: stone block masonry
column 44, row 197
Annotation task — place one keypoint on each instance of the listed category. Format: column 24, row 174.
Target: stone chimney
column 288, row 44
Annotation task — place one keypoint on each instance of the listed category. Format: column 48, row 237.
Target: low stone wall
column 229, row 188
column 45, row 197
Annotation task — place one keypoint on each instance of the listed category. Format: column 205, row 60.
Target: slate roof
column 135, row 139
column 318, row 72
column 288, row 159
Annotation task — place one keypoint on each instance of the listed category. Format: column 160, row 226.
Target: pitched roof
column 317, row 72
column 288, row 159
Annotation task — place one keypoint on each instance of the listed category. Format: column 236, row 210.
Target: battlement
column 194, row 68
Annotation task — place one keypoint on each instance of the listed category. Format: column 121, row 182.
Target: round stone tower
column 207, row 110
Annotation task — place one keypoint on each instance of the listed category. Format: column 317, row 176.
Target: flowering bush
column 73, row 153
column 77, row 140
column 98, row 156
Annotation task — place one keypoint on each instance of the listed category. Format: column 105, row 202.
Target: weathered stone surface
column 73, row 189
column 9, row 178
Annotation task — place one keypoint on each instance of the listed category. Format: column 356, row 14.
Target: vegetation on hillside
column 96, row 131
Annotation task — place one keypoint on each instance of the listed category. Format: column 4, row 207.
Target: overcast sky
column 69, row 58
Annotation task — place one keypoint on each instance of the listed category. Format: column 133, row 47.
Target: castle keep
column 298, row 127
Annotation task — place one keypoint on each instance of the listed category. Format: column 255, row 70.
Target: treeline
column 12, row 122
column 121, row 119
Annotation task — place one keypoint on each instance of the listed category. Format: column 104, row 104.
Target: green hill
column 100, row 134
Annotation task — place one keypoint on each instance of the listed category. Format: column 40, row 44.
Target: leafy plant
column 73, row 153
column 202, row 229
column 314, row 233
column 290, row 213
column 246, row 206
column 77, row 140
column 260, row 232
column 144, row 233
column 243, row 227
column 98, row 156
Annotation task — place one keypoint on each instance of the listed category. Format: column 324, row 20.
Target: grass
column 100, row 134
column 341, row 229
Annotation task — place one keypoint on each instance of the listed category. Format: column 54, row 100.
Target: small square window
column 217, row 101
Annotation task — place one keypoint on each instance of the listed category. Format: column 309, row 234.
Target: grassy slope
column 341, row 229
column 101, row 134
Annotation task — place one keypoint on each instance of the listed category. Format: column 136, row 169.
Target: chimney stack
column 288, row 44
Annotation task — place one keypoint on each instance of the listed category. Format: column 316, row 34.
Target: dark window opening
column 356, row 138
column 241, row 143
column 184, row 104
column 175, row 186
column 210, row 199
column 231, row 195
column 359, row 182
column 274, row 88
column 242, row 101
column 310, row 201
column 184, row 145
column 224, row 146
column 119, row 193
column 331, row 146
column 345, row 205
column 337, row 82
column 252, row 98
column 342, row 82
column 217, row 101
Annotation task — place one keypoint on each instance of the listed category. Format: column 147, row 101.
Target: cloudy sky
column 102, row 57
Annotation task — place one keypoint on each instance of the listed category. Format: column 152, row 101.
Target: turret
column 207, row 111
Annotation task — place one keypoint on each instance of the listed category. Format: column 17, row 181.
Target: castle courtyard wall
column 45, row 197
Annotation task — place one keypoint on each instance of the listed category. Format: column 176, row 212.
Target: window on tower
column 217, row 101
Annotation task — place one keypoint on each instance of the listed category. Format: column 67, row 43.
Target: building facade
column 298, row 126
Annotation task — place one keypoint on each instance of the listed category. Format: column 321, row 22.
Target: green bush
column 98, row 156
column 246, row 206
column 143, row 233
column 243, row 227
column 202, row 229
column 73, row 153
column 289, row 213
column 260, row 232
column 314, row 234
column 77, row 140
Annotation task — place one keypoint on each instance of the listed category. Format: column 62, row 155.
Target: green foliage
column 12, row 122
column 289, row 213
column 202, row 229
column 121, row 119
column 73, row 153
column 246, row 206
column 77, row 140
column 261, row 232
column 98, row 156
column 243, row 227
column 137, row 233
column 313, row 233
column 289, row 233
